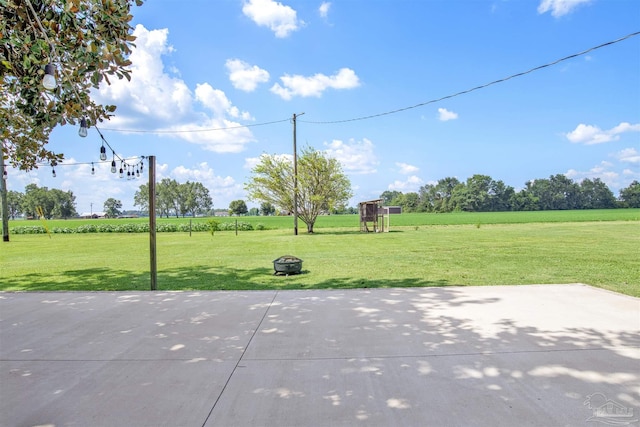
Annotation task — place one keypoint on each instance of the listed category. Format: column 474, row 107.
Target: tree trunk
column 310, row 228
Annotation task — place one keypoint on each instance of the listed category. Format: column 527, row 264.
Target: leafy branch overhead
column 87, row 41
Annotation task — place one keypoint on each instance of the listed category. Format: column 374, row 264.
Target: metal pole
column 295, row 178
column 3, row 196
column 152, row 222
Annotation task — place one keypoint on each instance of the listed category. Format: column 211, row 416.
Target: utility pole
column 295, row 177
column 3, row 196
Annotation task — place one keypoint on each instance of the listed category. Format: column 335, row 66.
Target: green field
column 599, row 248
column 407, row 219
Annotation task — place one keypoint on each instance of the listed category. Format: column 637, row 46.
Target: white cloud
column 315, row 85
column 559, row 8
column 602, row 171
column 280, row 19
column 251, row 162
column 446, row 115
column 244, row 76
column 154, row 99
column 221, row 189
column 590, row 135
column 406, row 169
column 411, row 184
column 151, row 92
column 628, row 155
column 324, row 9
column 356, row 157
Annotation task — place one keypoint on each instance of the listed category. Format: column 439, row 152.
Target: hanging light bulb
column 4, row 175
column 138, row 173
column 49, row 79
column 121, row 171
column 93, row 169
column 103, row 153
column 83, row 131
column 53, row 171
column 113, row 163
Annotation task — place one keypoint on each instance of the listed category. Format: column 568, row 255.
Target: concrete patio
column 539, row 355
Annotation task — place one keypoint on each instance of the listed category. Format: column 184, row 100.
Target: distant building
column 93, row 215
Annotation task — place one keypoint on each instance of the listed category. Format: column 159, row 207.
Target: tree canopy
column 86, row 42
column 53, row 202
column 112, row 207
column 238, row 207
column 172, row 197
column 322, row 185
column 481, row 193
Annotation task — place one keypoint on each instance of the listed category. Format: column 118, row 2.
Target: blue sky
column 201, row 66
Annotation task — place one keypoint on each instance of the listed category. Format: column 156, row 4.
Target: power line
column 399, row 110
column 196, row 130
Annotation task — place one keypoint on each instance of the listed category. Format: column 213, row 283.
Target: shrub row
column 137, row 228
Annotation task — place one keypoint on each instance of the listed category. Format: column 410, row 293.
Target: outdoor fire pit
column 287, row 264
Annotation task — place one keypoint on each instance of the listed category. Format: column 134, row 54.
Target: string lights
column 83, row 128
column 49, row 79
column 50, row 83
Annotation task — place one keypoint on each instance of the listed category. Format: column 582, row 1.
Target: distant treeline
column 481, row 193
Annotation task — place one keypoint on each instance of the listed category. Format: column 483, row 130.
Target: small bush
column 35, row 229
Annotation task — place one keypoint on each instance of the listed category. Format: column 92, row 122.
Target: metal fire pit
column 287, row 264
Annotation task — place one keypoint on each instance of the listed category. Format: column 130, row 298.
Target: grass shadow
column 196, row 278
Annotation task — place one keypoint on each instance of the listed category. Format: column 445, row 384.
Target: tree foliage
column 87, row 42
column 238, row 207
column 322, row 185
column 112, row 207
column 267, row 209
column 630, row 196
column 54, row 203
column 481, row 193
column 14, row 203
column 175, row 198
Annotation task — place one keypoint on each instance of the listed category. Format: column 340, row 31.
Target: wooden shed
column 371, row 216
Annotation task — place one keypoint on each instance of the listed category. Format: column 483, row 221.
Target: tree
column 14, row 203
column 64, row 204
column 85, row 41
column 238, row 207
column 267, row 209
column 408, row 201
column 437, row 198
column 54, row 203
column 321, row 184
column 389, row 196
column 166, row 197
column 594, row 194
column 112, row 207
column 34, row 198
column 195, row 197
column 630, row 196
column 141, row 198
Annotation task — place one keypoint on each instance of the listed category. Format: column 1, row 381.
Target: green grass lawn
column 599, row 252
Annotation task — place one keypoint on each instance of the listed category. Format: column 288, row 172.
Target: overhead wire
column 399, row 110
column 360, row 118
